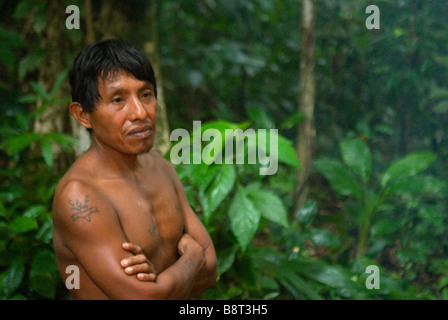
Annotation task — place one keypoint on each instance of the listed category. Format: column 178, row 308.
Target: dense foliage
column 379, row 186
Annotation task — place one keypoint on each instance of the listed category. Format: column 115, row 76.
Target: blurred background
column 361, row 115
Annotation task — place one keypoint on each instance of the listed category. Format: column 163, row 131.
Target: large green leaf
column 16, row 144
column 23, row 224
column 356, row 154
column 341, row 179
column 226, row 258
column 286, row 152
column 420, row 184
column 43, row 274
column 288, row 276
column 218, row 189
column 281, row 148
column 407, row 166
column 244, row 218
column 329, row 275
column 202, row 175
column 270, row 206
column 13, row 276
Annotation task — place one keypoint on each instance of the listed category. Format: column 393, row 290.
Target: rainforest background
column 361, row 115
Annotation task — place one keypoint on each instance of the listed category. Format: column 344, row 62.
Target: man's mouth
column 140, row 132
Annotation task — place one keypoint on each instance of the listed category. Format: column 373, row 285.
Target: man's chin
column 146, row 148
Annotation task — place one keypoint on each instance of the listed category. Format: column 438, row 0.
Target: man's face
column 124, row 119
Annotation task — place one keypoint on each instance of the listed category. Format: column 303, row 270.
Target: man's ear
column 80, row 114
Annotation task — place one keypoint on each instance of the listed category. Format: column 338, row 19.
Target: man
column 120, row 213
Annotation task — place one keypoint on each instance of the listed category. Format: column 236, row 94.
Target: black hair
column 103, row 59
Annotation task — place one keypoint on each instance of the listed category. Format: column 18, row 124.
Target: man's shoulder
column 160, row 161
column 80, row 177
column 74, row 190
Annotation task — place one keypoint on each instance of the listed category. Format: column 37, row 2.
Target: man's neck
column 115, row 161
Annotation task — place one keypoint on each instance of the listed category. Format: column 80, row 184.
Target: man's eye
column 117, row 100
column 147, row 95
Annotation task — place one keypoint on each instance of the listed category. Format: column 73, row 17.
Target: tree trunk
column 306, row 134
column 55, row 118
column 78, row 131
column 162, row 139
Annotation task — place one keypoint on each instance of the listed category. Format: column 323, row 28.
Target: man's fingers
column 138, row 264
column 138, row 268
column 147, row 276
column 143, row 272
column 135, row 249
column 138, row 259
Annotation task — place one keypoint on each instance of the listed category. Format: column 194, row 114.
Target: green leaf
column 65, row 141
column 202, row 175
column 23, row 224
column 40, row 91
column 261, row 118
column 292, row 120
column 58, row 83
column 441, row 107
column 16, row 144
column 332, row 276
column 341, row 179
column 23, row 8
column 244, row 218
column 383, row 227
column 270, row 206
column 28, row 98
column 287, row 153
column 45, row 233
column 421, row 184
column 30, row 63
column 307, row 212
column 43, row 275
column 282, row 149
column 34, row 211
column 431, row 215
column 13, row 276
column 226, row 258
column 40, row 18
column 218, row 189
column 356, row 154
column 295, row 283
column 324, row 238
column 407, row 166
column 47, row 151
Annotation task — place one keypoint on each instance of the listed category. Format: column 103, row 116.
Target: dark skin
column 120, row 212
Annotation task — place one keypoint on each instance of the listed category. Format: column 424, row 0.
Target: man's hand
column 138, row 264
column 187, row 243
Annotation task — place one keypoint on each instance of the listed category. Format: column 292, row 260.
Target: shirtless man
column 120, row 213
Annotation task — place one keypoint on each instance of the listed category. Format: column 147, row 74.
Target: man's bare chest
column 150, row 215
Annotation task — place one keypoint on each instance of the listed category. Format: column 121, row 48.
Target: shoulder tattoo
column 81, row 210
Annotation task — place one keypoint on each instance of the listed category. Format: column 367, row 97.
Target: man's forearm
column 207, row 275
column 180, row 278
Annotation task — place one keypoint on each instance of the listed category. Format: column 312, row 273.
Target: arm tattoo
column 82, row 210
column 187, row 266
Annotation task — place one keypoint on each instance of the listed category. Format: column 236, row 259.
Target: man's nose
column 138, row 110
